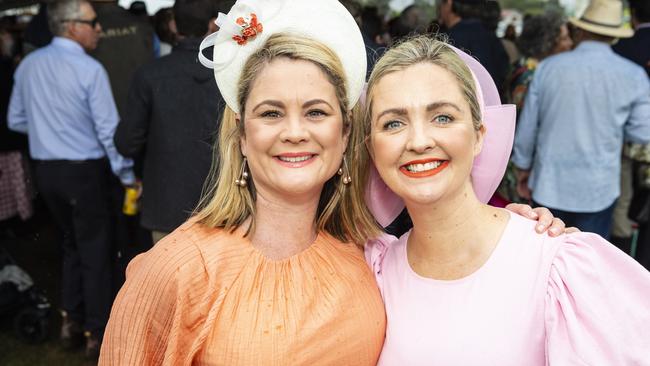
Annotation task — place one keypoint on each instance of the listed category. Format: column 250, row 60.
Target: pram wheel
column 31, row 325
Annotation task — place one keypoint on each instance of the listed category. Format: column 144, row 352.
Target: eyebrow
column 314, row 102
column 279, row 104
column 272, row 103
column 430, row 107
column 397, row 111
column 436, row 105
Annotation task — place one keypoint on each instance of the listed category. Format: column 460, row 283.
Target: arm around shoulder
column 597, row 305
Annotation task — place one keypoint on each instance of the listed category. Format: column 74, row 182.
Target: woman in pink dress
column 472, row 284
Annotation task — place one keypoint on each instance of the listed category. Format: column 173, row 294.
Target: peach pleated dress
column 204, row 296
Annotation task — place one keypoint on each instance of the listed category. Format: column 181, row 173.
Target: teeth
column 416, row 168
column 296, row 159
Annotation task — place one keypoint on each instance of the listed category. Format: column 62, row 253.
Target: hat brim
column 619, row 32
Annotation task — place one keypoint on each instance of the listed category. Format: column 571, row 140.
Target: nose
column 98, row 27
column 420, row 138
column 295, row 129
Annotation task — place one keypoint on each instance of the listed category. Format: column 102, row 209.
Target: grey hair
column 540, row 34
column 61, row 10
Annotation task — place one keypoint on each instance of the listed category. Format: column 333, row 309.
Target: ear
column 480, row 135
column 242, row 137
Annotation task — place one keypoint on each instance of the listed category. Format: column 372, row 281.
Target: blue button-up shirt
column 63, row 101
column 580, row 107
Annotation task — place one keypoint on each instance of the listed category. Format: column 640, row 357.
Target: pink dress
column 572, row 300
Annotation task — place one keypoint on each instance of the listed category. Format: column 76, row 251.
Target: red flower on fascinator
column 249, row 29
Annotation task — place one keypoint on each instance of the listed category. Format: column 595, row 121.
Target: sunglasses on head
column 92, row 22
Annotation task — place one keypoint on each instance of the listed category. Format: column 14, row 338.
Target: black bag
column 639, row 210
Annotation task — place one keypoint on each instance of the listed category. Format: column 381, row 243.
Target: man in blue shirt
column 62, row 100
column 580, row 107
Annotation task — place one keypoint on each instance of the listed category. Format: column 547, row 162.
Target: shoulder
column 561, row 60
column 185, row 253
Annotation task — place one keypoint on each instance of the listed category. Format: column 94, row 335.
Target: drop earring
column 243, row 175
column 344, row 172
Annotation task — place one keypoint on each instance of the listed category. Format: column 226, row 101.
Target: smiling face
column 423, row 140
column 294, row 137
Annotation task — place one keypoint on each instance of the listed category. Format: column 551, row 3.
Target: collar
column 642, row 26
column 594, row 46
column 68, row 44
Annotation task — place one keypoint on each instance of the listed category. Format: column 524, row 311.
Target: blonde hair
column 341, row 210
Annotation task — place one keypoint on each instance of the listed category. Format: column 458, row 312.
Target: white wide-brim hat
column 604, row 17
column 489, row 166
column 249, row 23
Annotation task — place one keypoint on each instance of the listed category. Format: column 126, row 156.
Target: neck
column 71, row 38
column 454, row 236
column 284, row 228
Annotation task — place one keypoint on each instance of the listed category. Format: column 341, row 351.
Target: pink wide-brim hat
column 489, row 165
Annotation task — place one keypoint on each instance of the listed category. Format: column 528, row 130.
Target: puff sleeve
column 597, row 306
column 157, row 316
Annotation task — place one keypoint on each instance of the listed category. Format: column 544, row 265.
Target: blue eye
column 391, row 125
column 443, row 119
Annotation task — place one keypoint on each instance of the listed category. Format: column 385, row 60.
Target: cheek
column 386, row 149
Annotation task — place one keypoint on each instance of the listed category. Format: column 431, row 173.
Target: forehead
column 421, row 83
column 284, row 78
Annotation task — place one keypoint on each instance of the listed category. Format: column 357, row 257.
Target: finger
column 557, row 227
column 571, row 229
column 545, row 219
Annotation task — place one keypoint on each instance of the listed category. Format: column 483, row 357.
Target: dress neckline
column 505, row 235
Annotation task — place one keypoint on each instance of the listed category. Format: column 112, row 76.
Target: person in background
column 462, row 21
column 126, row 44
column 491, row 17
column 510, row 33
column 542, row 36
column 635, row 164
column 580, row 108
column 174, row 131
column 165, row 28
column 62, row 100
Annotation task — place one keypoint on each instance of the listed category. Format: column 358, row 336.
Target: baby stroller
column 19, row 296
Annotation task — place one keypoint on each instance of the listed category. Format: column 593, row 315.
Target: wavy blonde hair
column 341, row 209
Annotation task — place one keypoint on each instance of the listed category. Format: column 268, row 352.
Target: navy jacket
column 173, row 111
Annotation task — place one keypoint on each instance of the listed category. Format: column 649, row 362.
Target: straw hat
column 249, row 23
column 604, row 17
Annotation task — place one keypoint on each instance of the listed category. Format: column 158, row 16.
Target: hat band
column 601, row 24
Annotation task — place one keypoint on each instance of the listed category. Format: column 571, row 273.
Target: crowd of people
column 249, row 188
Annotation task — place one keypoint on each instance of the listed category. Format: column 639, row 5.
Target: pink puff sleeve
column 597, row 309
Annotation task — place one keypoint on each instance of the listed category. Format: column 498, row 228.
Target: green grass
column 14, row 352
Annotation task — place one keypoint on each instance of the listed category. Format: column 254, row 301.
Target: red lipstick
column 425, row 173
